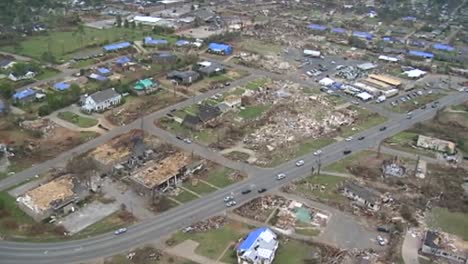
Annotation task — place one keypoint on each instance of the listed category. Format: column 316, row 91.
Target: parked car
column 246, row 191
column 383, row 128
column 299, row 163
column 423, row 107
column 262, row 190
column 120, row 231
column 179, row 137
column 280, row 176
column 173, row 110
column 361, row 138
column 170, row 115
column 227, row 84
column 349, row 138
column 384, row 229
column 318, row 152
column 346, row 152
column 188, row 140
column 381, row 241
column 228, row 198
column 231, row 203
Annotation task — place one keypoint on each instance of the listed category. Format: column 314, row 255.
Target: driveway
column 410, row 247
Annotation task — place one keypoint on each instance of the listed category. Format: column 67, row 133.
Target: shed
column 220, row 48
column 421, row 54
column 117, row 46
column 61, row 86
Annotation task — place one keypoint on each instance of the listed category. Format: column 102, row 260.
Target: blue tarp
column 103, row 71
column 117, row 46
column 220, row 48
column 337, row 85
column 182, row 42
column 409, row 18
column 251, row 238
column 419, row 53
column 362, row 34
column 122, row 60
column 444, row 47
column 61, row 86
column 151, row 41
column 317, row 27
column 2, row 106
column 391, row 39
column 98, row 77
column 339, row 30
column 22, row 94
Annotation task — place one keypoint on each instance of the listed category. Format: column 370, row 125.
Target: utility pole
column 319, row 163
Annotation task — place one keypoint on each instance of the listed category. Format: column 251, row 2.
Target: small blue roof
column 122, row 60
column 445, row 47
column 409, row 18
column 418, row 43
column 339, row 30
column 151, row 41
column 317, row 27
column 219, row 47
column 24, row 93
column 419, row 53
column 362, row 34
column 117, row 46
column 182, row 42
column 61, row 86
column 103, row 70
column 251, row 238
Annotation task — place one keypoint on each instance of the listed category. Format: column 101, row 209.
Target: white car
column 299, row 163
column 120, row 231
column 280, row 176
column 231, row 203
column 188, row 140
column 349, row 138
column 228, row 198
column 318, row 152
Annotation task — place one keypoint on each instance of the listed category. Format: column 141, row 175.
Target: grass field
column 185, row 197
column 218, row 177
column 312, row 145
column 450, row 222
column 252, row 112
column 78, row 120
column 63, row 44
column 366, row 119
column 200, row 188
column 329, row 182
column 406, row 141
column 254, row 85
column 260, row 47
column 341, row 166
column 292, row 252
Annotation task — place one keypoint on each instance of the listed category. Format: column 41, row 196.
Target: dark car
column 424, row 107
column 173, row 110
column 246, row 191
column 179, row 137
column 346, row 152
column 169, row 115
column 361, row 138
column 384, row 229
column 383, row 128
column 262, row 190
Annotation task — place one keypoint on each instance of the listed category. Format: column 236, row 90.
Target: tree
column 126, row 23
column 75, row 91
column 83, row 167
column 6, row 90
column 20, row 68
column 133, row 24
column 118, row 21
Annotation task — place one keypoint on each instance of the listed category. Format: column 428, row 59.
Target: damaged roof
column 363, row 192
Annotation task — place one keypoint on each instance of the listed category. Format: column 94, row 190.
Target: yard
column 78, row 120
column 199, row 188
column 218, row 177
column 185, row 196
column 146, row 255
column 451, row 222
column 406, row 141
column 329, row 183
column 252, row 112
column 363, row 159
column 256, row 46
column 293, row 252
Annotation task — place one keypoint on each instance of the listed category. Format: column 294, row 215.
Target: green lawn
column 218, row 177
column 451, row 222
column 47, row 73
column 212, row 243
column 312, row 145
column 366, row 119
column 292, row 252
column 108, row 224
column 254, row 85
column 88, row 135
column 405, row 141
column 78, row 120
column 201, row 188
column 252, row 112
column 331, row 184
column 307, row 231
column 265, row 48
column 63, row 43
column 185, row 197
column 340, row 166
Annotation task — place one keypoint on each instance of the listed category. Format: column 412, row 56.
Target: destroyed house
column 433, row 244
column 164, row 58
column 56, row 196
column 185, row 77
column 209, row 68
column 436, row 144
column 362, row 196
column 259, row 247
column 163, row 174
column 208, row 113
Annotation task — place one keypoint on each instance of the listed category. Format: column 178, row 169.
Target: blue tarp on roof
column 409, row 18
column 337, row 85
column 444, row 47
column 103, row 71
column 117, row 46
column 221, row 48
column 339, row 30
column 419, row 53
column 122, row 60
column 2, row 106
column 182, row 42
column 391, row 39
column 61, row 86
column 362, row 34
column 151, row 41
column 24, row 93
column 317, row 27
column 251, row 238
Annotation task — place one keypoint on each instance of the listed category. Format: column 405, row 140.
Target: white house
column 100, row 101
column 362, row 196
column 26, row 76
column 259, row 247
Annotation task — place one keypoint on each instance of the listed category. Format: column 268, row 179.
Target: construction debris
column 206, row 225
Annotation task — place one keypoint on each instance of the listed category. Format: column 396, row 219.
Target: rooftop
column 104, row 95
column 260, row 243
column 363, row 192
column 117, row 46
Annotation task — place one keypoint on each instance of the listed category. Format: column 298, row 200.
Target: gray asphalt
column 176, row 218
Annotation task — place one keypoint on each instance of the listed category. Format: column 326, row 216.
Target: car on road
column 299, row 163
column 318, row 152
column 173, row 110
column 227, row 84
column 423, row 107
column 262, row 190
column 228, row 198
column 434, row 106
column 381, row 241
column 409, row 117
column 361, row 138
column 246, row 191
column 349, row 139
column 188, row 140
column 179, row 137
column 169, row 115
column 120, row 231
column 280, row 176
column 231, row 203
column 383, row 128
column 346, row 152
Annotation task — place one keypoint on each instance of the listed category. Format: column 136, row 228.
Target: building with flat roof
column 117, row 46
column 219, row 48
column 386, row 79
column 259, row 247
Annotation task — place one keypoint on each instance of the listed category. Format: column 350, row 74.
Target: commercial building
column 218, row 48
column 259, row 247
column 385, row 79
column 100, row 101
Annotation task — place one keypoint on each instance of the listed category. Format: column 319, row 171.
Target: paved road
column 165, row 223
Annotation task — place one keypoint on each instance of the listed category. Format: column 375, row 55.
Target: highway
column 211, row 204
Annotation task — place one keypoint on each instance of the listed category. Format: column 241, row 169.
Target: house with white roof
column 100, row 101
column 259, row 247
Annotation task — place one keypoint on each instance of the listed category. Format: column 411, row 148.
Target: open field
column 329, row 183
column 451, row 222
column 78, row 120
column 146, row 255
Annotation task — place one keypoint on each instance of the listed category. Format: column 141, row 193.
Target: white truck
column 381, row 99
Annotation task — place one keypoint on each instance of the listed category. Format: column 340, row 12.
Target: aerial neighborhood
column 233, row 132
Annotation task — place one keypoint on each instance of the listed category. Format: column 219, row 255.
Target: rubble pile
column 259, row 208
column 269, row 62
column 43, row 125
column 207, row 225
column 304, row 118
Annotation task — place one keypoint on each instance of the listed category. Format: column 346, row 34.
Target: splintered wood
column 59, row 189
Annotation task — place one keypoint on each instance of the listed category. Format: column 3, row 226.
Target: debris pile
column 268, row 62
column 393, row 167
column 260, row 208
column 43, row 125
column 207, row 225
